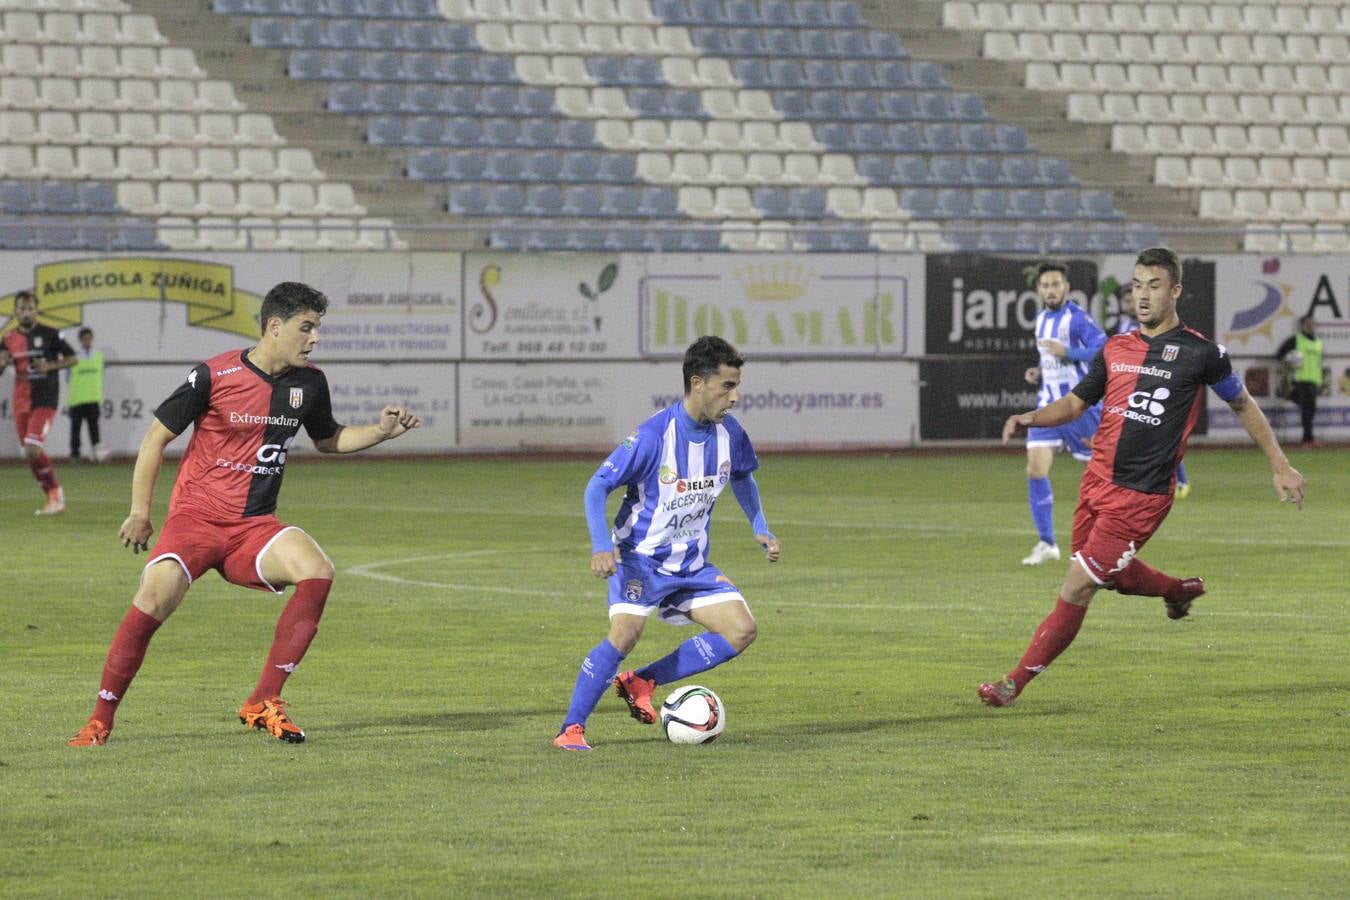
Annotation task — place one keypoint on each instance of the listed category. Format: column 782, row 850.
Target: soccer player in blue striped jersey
column 1068, row 339
column 674, row 467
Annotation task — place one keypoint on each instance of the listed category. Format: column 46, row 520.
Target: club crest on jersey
column 667, row 475
column 632, row 590
column 723, row 472
column 1170, row 352
column 297, row 398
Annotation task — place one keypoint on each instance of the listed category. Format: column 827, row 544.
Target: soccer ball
column 693, row 715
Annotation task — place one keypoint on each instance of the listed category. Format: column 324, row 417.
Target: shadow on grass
column 451, row 721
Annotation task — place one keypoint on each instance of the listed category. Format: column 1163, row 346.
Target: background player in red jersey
column 37, row 352
column 1151, row 384
column 247, row 407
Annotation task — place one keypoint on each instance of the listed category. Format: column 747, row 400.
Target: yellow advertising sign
column 206, row 289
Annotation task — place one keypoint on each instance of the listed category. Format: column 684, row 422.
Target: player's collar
column 689, row 423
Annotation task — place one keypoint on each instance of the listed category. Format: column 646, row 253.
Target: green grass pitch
column 1206, row 757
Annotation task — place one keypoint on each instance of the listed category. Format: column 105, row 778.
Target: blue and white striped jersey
column 674, row 469
column 1074, row 328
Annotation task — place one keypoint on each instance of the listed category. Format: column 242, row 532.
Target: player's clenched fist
column 135, row 533
column 394, row 420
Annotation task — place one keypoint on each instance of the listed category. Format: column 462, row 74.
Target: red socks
column 1051, row 639
column 124, row 659
column 1141, row 579
column 297, row 626
column 43, row 472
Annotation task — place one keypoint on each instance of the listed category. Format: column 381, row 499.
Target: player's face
column 714, row 398
column 86, row 341
column 26, row 312
column 1309, row 327
column 296, row 337
column 1155, row 295
column 1052, row 288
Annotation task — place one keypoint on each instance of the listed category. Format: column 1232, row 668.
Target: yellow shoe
column 93, row 734
column 573, row 737
column 1183, row 490
column 270, row 715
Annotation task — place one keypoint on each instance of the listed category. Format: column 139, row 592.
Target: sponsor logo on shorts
column 1125, row 558
column 632, row 590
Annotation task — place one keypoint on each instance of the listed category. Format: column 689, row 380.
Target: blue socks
column 1181, row 474
column 1042, row 501
column 597, row 673
column 698, row 654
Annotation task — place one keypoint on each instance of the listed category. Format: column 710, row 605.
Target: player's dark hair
column 25, row 295
column 85, row 330
column 289, row 299
column 1161, row 258
column 706, row 356
column 1307, row 318
column 1051, row 265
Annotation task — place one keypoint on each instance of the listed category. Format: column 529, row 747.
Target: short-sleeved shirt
column 1075, row 329
column 1151, row 391
column 35, row 389
column 674, row 469
column 245, row 423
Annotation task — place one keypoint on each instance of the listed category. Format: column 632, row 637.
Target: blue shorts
column 1075, row 436
column 640, row 588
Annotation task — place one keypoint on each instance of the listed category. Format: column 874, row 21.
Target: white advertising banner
column 550, row 306
column 786, row 305
column 579, row 405
column 180, row 308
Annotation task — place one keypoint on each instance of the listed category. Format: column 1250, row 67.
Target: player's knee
column 320, row 568
column 624, row 635
column 742, row 635
column 31, row 451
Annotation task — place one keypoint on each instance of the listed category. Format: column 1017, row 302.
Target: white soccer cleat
column 1041, row 553
column 101, row 453
column 56, row 503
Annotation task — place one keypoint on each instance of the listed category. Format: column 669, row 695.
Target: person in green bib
column 85, row 396
column 1302, row 358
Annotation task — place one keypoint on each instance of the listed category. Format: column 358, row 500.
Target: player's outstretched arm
column 394, row 421
column 1289, row 483
column 136, row 530
column 1065, row 409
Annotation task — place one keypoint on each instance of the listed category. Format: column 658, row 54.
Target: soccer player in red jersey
column 37, row 352
column 246, row 406
column 1151, row 383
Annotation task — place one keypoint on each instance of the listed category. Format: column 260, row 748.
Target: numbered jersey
column 674, row 469
column 1074, row 328
column 245, row 421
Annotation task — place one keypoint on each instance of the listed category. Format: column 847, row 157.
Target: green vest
column 1311, row 369
column 86, row 380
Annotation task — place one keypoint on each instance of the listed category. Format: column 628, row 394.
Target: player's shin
column 1041, row 498
column 1142, row 580
column 1052, row 637
column 125, row 656
column 44, row 472
column 698, row 654
column 593, row 679
column 296, row 627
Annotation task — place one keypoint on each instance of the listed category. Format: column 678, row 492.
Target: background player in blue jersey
column 1128, row 322
column 1067, row 339
column 673, row 466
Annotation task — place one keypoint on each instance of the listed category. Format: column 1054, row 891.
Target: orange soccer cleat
column 636, row 691
column 93, row 734
column 270, row 714
column 572, row 737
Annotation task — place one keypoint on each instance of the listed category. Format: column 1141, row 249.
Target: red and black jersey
column 1151, row 390
column 245, row 422
column 35, row 389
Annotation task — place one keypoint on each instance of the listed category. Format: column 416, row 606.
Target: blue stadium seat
column 583, row 200
column 497, row 100
column 459, row 100
column 753, row 73
column 885, row 45
column 833, row 135
column 384, row 96
column 984, row 170
column 1107, row 238
column 385, row 66
column 424, row 130
column 454, row 36
column 827, row 106
column 781, row 42
column 648, row 103
column 505, row 165
column 743, row 12
column 501, row 132
column 941, row 138
column 428, row 165
column 822, row 73
column 581, row 166
column 968, row 106
column 385, row 130
column 621, row 201
column 811, row 13
column 904, row 138
column 927, row 75
column 953, row 203
column 344, row 34
column 807, row 203
column 660, row 202
column 977, row 138
column 1011, row 138
column 898, row 106
column 309, row 64
column 466, row 165
column 792, row 104
column 852, row 44
column 270, row 33
column 642, row 70
column 1069, row 241
column 745, row 42
column 776, row 12
column 382, row 36
column 675, row 12
column 419, row 9
column 618, row 167
column 870, row 137
column 787, row 73
column 605, row 70
column 1139, row 236
column 543, row 166
column 458, row 68
column 817, row 43
column 846, row 13
column 506, row 200
column 1019, row 169
column 16, row 197
column 921, row 202
column 935, row 106
column 543, row 132
column 535, row 101
column 772, row 201
column 684, row 104
column 863, row 105
column 1053, row 171
column 877, row 168
column 889, row 74
column 1098, row 205
column 465, row 131
column 468, row 200
column 96, row 197
column 544, row 200
column 1062, row 203
column 708, row 12
column 912, row 170
column 712, row 41
column 990, row 203
column 347, row 98
column 576, row 133
column 947, row 170
column 428, row 99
